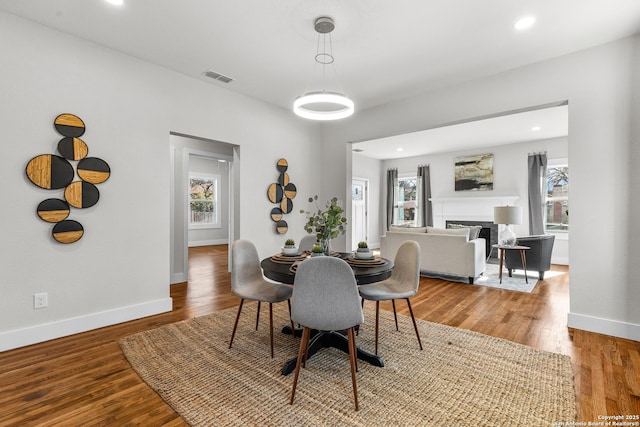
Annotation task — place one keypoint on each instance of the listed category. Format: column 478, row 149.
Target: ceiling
column 384, row 51
column 543, row 123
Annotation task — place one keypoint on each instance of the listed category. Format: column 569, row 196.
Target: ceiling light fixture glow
column 116, row 2
column 535, row 128
column 524, row 23
column 324, row 104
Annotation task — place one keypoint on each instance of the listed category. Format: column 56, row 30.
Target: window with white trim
column 204, row 209
column 557, row 202
column 406, row 203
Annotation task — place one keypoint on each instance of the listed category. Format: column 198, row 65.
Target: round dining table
column 281, row 269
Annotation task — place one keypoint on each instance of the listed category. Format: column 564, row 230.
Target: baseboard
column 599, row 325
column 62, row 328
column 560, row 260
column 208, row 242
column 179, row 278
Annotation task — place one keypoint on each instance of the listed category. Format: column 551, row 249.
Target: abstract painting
column 474, row 172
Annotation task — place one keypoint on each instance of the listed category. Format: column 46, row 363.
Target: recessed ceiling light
column 524, row 23
column 116, row 2
column 535, row 128
column 399, row 149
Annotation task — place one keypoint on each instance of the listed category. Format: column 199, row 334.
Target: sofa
column 538, row 257
column 443, row 251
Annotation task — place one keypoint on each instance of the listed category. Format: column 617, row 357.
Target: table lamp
column 507, row 215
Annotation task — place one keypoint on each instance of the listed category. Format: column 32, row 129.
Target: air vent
column 217, row 76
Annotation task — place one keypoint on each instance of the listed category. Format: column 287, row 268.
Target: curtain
column 424, row 197
column 537, row 190
column 392, row 182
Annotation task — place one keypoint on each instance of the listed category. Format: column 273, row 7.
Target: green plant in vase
column 325, row 224
column 317, row 250
column 363, row 250
column 290, row 247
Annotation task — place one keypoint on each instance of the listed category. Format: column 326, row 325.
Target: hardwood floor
column 85, row 379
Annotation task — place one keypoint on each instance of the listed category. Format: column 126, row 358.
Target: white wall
column 601, row 87
column 509, row 179
column 119, row 270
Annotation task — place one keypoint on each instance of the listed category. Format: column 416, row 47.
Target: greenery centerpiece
column 325, row 224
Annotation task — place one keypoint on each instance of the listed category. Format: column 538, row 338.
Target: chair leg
column 258, row 315
column 415, row 325
column 303, row 346
column 377, row 319
column 293, row 329
column 271, row 327
column 235, row 325
column 395, row 315
column 352, row 361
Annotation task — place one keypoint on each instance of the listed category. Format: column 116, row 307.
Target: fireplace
column 489, row 233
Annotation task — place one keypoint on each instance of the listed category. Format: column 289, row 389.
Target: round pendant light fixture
column 324, row 104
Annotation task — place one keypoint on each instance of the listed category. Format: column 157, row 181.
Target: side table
column 523, row 257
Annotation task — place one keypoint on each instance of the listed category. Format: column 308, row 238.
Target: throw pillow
column 451, row 231
column 474, row 230
column 402, row 229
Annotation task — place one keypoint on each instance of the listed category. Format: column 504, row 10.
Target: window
column 405, row 205
column 557, row 211
column 203, row 201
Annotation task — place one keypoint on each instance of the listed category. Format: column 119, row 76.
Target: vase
column 326, row 246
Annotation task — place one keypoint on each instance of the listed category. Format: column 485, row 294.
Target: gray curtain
column 537, row 190
column 392, row 182
column 424, row 197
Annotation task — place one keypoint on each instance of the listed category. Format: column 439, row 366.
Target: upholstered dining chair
column 403, row 284
column 307, row 242
column 325, row 298
column 248, row 283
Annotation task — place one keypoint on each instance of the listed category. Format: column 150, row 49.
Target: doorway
column 185, row 152
column 359, row 211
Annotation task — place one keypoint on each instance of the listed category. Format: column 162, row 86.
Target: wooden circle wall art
column 53, row 172
column 282, row 192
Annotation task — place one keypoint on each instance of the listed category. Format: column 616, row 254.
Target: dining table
column 282, row 268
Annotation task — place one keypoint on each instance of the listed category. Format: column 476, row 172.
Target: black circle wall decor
column 49, row 171
column 67, row 231
column 53, row 172
column 282, row 227
column 53, row 210
column 276, row 214
column 274, row 193
column 69, row 125
column 281, row 193
column 81, row 195
column 282, row 165
column 93, row 170
column 73, row 148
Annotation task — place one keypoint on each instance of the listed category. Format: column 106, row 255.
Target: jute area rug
column 461, row 378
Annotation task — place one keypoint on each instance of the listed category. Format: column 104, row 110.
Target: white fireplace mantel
column 471, row 208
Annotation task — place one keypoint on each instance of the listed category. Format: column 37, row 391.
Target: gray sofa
column 445, row 251
column 538, row 257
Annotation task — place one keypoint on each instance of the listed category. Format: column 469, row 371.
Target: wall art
column 474, row 172
column 281, row 193
column 53, row 172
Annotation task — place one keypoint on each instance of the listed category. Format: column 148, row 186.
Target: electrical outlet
column 40, row 300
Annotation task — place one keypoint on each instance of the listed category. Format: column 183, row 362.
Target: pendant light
column 324, row 104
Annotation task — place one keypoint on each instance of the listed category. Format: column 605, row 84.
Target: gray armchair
column 538, row 257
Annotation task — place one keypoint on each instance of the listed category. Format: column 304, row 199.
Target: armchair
column 538, row 257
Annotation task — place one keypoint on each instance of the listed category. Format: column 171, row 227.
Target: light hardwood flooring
column 85, row 380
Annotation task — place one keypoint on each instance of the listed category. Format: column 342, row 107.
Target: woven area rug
column 461, row 378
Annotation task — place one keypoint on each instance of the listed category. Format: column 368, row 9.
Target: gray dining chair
column 325, row 298
column 403, row 284
column 307, row 242
column 248, row 283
